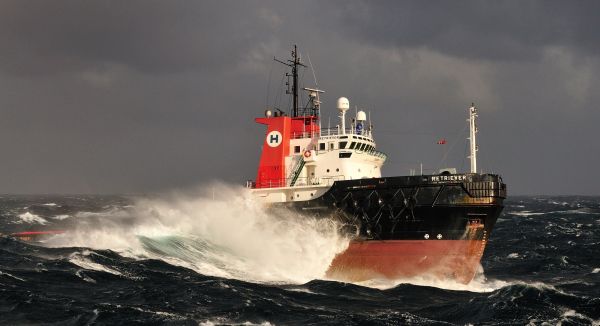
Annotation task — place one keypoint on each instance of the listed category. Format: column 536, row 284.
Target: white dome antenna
column 361, row 116
column 343, row 105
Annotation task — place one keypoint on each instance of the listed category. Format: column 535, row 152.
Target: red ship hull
column 401, row 259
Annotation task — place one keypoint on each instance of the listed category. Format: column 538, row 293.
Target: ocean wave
column 233, row 237
column 60, row 217
column 81, row 259
column 479, row 284
column 11, row 276
column 584, row 210
column 27, row 217
column 525, row 213
column 572, row 316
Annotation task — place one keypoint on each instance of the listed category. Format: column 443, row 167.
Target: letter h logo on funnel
column 274, row 138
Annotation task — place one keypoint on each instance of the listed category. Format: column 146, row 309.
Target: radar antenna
column 294, row 63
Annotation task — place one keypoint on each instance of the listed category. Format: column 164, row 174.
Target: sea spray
column 229, row 236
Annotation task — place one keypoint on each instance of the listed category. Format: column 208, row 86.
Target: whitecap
column 27, row 217
column 525, row 213
column 233, row 237
column 596, row 271
column 11, row 276
column 80, row 273
column 60, row 217
column 569, row 314
column 81, row 260
column 160, row 313
column 513, row 255
column 479, row 283
column 50, row 204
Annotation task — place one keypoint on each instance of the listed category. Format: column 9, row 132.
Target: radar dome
column 361, row 116
column 343, row 104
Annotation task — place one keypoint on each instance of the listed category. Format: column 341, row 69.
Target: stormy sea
column 206, row 259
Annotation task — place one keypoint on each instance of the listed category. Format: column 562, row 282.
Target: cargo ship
column 434, row 225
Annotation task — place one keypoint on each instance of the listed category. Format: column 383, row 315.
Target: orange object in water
column 34, row 235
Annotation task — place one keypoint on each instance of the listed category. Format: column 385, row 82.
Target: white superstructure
column 317, row 159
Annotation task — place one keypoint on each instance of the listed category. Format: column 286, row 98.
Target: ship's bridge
column 333, row 154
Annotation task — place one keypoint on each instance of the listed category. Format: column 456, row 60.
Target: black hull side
column 413, row 207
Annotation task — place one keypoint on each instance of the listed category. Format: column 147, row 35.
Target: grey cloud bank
column 144, row 96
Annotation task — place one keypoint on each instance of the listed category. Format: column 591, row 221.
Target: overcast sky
column 146, row 96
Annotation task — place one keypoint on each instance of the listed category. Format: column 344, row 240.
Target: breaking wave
column 30, row 218
column 229, row 237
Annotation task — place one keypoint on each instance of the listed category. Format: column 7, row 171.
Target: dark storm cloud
column 488, row 30
column 149, row 36
column 140, row 96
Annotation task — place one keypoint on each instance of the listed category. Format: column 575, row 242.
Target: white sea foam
column 513, row 255
column 82, row 260
column 570, row 314
column 27, row 217
column 223, row 321
column 525, row 213
column 231, row 236
column 60, row 217
column 479, row 283
column 11, row 276
column 596, row 271
column 81, row 274
column 50, row 204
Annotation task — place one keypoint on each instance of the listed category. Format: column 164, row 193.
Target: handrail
column 325, row 132
column 303, row 181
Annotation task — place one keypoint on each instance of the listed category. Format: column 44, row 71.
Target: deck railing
column 284, row 182
column 329, row 132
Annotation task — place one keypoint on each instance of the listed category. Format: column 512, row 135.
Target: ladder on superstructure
column 300, row 164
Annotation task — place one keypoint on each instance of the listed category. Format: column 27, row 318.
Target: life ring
column 307, row 154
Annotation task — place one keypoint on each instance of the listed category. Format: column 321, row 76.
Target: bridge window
column 296, row 149
column 343, row 144
column 331, row 146
column 322, row 146
column 345, row 155
column 352, row 145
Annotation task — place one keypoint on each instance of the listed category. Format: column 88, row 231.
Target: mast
column 472, row 137
column 294, row 63
column 295, row 79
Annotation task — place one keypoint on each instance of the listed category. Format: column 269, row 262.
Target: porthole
column 297, row 195
column 327, row 170
column 311, row 194
column 337, row 170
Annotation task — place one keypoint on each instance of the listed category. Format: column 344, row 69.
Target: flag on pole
column 441, row 141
